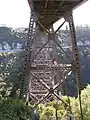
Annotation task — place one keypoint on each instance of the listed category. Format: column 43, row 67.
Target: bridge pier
column 43, row 74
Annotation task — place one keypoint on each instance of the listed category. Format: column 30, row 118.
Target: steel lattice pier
column 44, row 74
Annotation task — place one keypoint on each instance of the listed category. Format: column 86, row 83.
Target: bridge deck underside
column 50, row 11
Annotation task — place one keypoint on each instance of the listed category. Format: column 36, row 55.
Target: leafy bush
column 11, row 109
column 85, row 105
column 47, row 111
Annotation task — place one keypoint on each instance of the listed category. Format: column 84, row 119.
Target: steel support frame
column 44, row 84
column 28, row 61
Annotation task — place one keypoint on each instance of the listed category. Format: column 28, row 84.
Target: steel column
column 76, row 58
column 28, row 50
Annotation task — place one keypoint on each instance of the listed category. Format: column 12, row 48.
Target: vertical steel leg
column 76, row 58
column 26, row 70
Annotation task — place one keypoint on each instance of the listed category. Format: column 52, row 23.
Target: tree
column 13, row 109
column 11, row 73
column 85, row 105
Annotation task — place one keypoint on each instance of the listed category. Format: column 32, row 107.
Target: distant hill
column 12, row 38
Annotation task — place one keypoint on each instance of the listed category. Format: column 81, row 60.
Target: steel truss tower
column 44, row 74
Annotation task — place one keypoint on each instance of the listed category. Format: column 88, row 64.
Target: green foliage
column 85, row 105
column 10, row 73
column 48, row 111
column 11, row 109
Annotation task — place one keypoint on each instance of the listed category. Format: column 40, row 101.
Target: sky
column 16, row 13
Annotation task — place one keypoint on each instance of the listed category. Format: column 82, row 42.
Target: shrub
column 11, row 109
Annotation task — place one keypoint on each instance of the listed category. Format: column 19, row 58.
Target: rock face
column 13, row 40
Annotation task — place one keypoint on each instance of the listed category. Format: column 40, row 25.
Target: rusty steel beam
column 46, row 67
column 76, row 59
column 46, row 3
column 26, row 69
column 60, row 27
